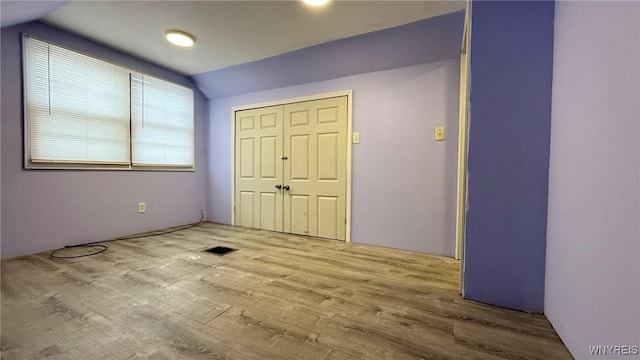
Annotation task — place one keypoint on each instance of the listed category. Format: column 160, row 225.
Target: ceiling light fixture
column 315, row 2
column 180, row 38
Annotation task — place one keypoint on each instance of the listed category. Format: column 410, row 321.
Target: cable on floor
column 102, row 248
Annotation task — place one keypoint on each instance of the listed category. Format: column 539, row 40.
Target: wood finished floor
column 279, row 297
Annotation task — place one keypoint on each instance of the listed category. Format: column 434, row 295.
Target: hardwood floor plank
column 279, row 296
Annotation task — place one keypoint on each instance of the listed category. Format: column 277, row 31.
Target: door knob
column 286, row 187
column 278, row 186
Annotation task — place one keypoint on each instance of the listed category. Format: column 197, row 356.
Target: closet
column 291, row 168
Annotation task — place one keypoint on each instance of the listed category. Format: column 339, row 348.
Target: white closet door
column 291, row 168
column 315, row 143
column 259, row 168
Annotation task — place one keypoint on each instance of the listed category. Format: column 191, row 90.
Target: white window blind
column 161, row 123
column 77, row 107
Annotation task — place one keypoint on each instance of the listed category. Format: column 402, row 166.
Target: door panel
column 269, row 157
column 246, row 158
column 298, row 221
column 269, row 203
column 328, row 217
column 269, row 121
column 328, row 160
column 259, row 168
column 247, row 122
column 246, row 205
column 328, row 115
column 299, row 117
column 316, row 143
column 299, row 158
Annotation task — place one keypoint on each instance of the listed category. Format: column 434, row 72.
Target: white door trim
column 463, row 144
column 347, row 93
column 461, row 189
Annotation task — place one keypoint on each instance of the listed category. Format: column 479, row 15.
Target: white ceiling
column 232, row 32
column 16, row 12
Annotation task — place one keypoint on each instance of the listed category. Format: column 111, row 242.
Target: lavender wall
column 403, row 181
column 43, row 209
column 421, row 42
column 592, row 292
column 511, row 69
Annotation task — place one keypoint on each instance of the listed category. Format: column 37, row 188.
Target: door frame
column 348, row 93
column 463, row 144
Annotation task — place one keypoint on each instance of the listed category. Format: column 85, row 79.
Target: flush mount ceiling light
column 315, row 2
column 180, row 38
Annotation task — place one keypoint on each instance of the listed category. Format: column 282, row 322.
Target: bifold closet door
column 259, row 168
column 315, row 143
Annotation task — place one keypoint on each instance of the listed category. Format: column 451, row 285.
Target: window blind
column 161, row 123
column 76, row 107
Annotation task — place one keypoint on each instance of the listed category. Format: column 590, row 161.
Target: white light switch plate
column 439, row 133
column 356, row 138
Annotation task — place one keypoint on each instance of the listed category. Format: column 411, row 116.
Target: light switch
column 356, row 138
column 439, row 133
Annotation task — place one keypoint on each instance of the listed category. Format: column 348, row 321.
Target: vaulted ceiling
column 227, row 32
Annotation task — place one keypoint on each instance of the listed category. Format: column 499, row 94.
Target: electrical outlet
column 142, row 207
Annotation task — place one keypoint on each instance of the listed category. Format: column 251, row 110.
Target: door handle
column 278, row 186
column 286, row 187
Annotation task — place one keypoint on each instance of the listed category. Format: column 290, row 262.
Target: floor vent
column 220, row 250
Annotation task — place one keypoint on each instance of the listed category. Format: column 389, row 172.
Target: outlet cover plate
column 439, row 133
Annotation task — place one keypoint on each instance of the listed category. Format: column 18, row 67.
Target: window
column 162, row 122
column 82, row 112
